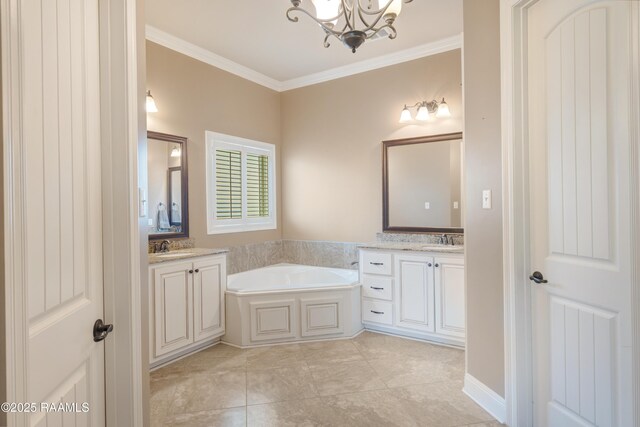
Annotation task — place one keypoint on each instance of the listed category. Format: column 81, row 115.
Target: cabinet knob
column 430, row 265
column 197, row 270
column 190, row 271
column 437, row 265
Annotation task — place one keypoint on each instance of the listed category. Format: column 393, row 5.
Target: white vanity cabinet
column 412, row 293
column 186, row 309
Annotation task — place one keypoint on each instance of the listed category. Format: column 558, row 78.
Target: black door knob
column 100, row 330
column 538, row 278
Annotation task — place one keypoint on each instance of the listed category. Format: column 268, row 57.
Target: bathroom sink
column 174, row 254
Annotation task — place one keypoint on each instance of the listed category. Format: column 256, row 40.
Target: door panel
column 62, row 205
column 173, row 307
column 449, row 302
column 208, row 288
column 414, row 295
column 579, row 120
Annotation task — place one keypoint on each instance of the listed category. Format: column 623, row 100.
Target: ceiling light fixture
column 350, row 21
column 151, row 103
column 425, row 110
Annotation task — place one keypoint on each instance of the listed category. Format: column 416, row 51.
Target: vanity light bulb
column 423, row 113
column 405, row 116
column 443, row 110
column 175, row 152
column 151, row 103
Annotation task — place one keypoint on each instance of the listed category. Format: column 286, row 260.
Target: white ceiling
column 256, row 33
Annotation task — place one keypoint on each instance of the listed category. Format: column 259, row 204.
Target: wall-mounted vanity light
column 425, row 110
column 151, row 103
column 175, row 152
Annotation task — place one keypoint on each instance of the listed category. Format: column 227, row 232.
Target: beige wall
column 193, row 97
column 483, row 228
column 332, row 134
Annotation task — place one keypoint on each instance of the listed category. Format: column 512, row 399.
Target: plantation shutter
column 257, row 185
column 228, row 184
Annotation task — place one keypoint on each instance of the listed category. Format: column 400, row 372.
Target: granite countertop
column 183, row 254
column 414, row 247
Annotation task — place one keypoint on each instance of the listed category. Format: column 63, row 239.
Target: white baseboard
column 488, row 399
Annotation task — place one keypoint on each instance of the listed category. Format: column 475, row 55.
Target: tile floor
column 371, row 380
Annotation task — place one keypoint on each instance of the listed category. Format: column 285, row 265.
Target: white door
column 62, row 208
column 173, row 307
column 414, row 292
column 579, row 70
column 209, row 284
column 449, row 301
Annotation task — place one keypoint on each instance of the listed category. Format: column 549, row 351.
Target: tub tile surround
column 321, row 253
column 314, row 253
column 255, row 255
column 358, row 382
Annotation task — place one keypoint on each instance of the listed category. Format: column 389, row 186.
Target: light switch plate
column 427, row 205
column 486, row 199
column 455, row 205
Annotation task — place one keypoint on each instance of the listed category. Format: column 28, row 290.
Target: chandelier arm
column 392, row 35
column 321, row 22
column 363, row 20
column 370, row 27
column 368, row 11
column 326, row 39
column 347, row 12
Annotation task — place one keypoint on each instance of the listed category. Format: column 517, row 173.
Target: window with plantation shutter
column 257, row 185
column 240, row 184
column 228, row 184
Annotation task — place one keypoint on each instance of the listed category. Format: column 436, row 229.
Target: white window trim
column 214, row 226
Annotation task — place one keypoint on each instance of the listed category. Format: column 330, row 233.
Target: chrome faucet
column 164, row 246
column 443, row 239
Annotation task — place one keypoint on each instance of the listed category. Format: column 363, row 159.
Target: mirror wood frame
column 385, row 183
column 184, row 188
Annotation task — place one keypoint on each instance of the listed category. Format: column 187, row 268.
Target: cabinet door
column 209, row 285
column 173, row 309
column 450, row 308
column 414, row 292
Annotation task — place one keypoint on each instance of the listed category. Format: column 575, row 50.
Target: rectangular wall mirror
column 422, row 184
column 168, row 198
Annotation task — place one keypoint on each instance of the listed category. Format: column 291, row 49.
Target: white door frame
column 122, row 100
column 516, row 256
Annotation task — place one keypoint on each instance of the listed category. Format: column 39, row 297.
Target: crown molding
column 427, row 49
column 196, row 52
column 179, row 45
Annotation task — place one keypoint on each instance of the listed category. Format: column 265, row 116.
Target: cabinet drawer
column 377, row 311
column 376, row 263
column 377, row 287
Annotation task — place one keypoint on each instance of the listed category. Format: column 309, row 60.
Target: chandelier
column 351, row 21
